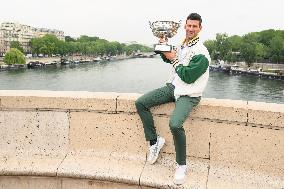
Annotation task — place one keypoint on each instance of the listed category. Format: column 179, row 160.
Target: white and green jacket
column 190, row 72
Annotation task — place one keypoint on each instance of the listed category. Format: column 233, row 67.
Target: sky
column 128, row 20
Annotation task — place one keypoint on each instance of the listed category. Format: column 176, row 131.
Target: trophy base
column 160, row 48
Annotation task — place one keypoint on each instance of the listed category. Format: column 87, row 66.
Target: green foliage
column 276, row 48
column 212, row 48
column 266, row 36
column 223, row 44
column 16, row 45
column 248, row 52
column 235, row 42
column 84, row 45
column 14, row 56
column 85, row 38
column 267, row 45
column 36, row 45
column 69, row 39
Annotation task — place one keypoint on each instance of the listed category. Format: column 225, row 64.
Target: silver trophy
column 164, row 29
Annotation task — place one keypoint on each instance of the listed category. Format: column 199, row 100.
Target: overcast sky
column 128, row 20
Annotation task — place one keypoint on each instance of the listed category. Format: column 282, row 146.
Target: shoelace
column 156, row 147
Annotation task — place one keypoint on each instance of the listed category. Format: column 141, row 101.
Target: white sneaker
column 180, row 174
column 155, row 149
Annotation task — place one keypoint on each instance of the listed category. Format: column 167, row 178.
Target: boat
column 65, row 62
column 214, row 67
column 35, row 64
column 53, row 63
column 97, row 59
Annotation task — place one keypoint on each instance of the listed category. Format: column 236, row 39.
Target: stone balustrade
column 66, row 140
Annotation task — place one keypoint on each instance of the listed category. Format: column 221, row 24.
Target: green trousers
column 183, row 106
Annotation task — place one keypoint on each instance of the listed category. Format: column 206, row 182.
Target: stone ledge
column 215, row 109
column 103, row 166
column 106, row 132
column 33, row 133
column 248, row 148
column 104, row 144
column 221, row 176
column 29, row 165
column 65, row 100
column 116, row 169
column 222, row 109
column 28, row 182
column 165, row 166
column 266, row 114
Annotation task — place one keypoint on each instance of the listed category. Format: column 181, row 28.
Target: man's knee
column 175, row 124
column 139, row 103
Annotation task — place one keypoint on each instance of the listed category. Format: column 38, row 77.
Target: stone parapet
column 67, row 139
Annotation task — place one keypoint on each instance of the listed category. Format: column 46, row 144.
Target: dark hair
column 195, row 16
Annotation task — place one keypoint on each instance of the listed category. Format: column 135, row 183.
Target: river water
column 136, row 76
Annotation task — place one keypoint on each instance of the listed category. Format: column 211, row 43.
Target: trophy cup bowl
column 164, row 29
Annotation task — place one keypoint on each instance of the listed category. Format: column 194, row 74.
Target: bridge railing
column 99, row 137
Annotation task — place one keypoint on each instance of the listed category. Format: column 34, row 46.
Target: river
column 136, row 76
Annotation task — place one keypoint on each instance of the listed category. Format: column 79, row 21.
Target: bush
column 14, row 56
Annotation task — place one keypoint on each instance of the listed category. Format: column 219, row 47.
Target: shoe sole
column 179, row 182
column 154, row 160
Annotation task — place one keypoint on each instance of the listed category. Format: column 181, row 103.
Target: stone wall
column 83, row 137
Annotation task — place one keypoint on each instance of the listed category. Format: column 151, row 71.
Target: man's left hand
column 170, row 55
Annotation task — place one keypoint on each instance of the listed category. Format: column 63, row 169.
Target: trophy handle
column 151, row 25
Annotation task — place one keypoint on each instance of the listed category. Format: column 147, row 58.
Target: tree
column 119, row 47
column 85, row 38
column 254, row 46
column 251, row 37
column 235, row 42
column 111, row 49
column 223, row 45
column 85, row 45
column 69, row 39
column 62, row 48
column 248, row 52
column 266, row 36
column 16, row 45
column 36, row 44
column 260, row 51
column 212, row 48
column 14, row 56
column 50, row 44
column 276, row 48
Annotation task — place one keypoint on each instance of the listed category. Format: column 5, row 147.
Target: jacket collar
column 191, row 42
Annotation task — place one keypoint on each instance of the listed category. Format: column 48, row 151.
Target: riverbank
column 36, row 62
column 84, row 58
column 58, row 58
column 263, row 70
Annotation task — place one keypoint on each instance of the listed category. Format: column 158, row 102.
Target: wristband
column 174, row 62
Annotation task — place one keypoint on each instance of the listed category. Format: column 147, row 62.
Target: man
column 190, row 74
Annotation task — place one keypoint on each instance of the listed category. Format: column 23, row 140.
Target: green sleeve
column 164, row 58
column 196, row 67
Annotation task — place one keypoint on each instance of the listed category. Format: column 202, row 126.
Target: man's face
column 192, row 28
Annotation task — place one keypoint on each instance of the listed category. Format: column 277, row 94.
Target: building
column 1, row 43
column 10, row 31
column 40, row 32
